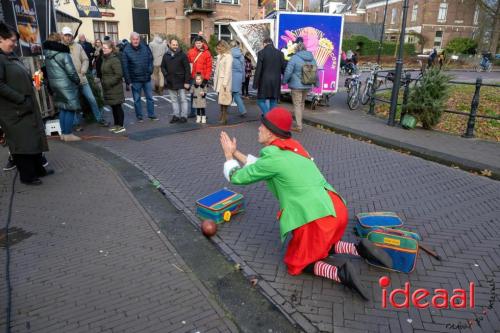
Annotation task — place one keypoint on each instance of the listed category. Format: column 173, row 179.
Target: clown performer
column 310, row 208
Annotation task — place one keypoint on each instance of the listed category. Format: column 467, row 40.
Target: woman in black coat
column 19, row 115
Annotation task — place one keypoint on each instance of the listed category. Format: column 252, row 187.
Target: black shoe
column 174, row 119
column 350, row 279
column 154, row 118
column 103, row 123
column 192, row 115
column 35, row 181
column 183, row 120
column 139, row 119
column 243, row 115
column 48, row 173
column 10, row 165
column 374, row 254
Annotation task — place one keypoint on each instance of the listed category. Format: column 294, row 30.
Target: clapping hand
column 228, row 145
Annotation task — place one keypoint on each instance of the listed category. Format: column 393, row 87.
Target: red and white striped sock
column 346, row 248
column 325, row 270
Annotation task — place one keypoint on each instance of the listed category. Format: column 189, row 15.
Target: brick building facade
column 185, row 18
column 430, row 23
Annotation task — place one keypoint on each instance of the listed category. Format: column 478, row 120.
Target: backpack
column 309, row 74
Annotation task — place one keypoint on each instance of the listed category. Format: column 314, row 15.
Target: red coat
column 203, row 63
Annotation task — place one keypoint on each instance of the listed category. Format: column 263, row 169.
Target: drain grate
column 16, row 235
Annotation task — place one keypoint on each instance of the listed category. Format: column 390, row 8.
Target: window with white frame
column 297, row 5
column 414, row 13
column 103, row 28
column 443, row 9
column 139, row 3
column 438, row 39
column 228, row 2
column 476, row 15
column 222, row 31
column 394, row 15
column 196, row 27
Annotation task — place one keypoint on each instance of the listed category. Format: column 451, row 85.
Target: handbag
column 225, row 97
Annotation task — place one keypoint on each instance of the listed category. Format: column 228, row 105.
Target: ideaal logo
column 440, row 299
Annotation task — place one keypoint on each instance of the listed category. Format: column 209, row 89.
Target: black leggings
column 244, row 88
column 200, row 112
column 30, row 166
column 118, row 114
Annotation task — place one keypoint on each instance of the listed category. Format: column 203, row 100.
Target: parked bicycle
column 484, row 65
column 353, row 85
column 367, row 91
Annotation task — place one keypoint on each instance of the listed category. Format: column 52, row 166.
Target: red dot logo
column 384, row 281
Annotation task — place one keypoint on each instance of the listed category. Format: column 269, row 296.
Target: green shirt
column 295, row 181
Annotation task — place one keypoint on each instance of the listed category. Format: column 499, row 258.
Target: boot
column 71, row 137
column 350, row 279
column 198, row 119
column 374, row 254
column 203, row 119
column 223, row 120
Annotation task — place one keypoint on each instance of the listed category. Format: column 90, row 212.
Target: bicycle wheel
column 365, row 97
column 353, row 102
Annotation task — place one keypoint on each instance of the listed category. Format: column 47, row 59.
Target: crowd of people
column 76, row 70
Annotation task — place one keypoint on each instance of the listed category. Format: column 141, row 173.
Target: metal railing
column 407, row 80
column 199, row 5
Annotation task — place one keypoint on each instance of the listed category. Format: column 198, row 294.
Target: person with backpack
column 301, row 76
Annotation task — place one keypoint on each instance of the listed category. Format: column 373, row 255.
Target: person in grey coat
column 20, row 118
column 238, row 76
column 293, row 77
column 64, row 82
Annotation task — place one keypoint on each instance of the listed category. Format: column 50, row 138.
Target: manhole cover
column 16, row 235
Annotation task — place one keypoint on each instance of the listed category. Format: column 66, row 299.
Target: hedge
column 365, row 46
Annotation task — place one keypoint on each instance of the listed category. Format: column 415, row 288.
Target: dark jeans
column 200, row 111
column 30, row 166
column 118, row 115
column 244, row 87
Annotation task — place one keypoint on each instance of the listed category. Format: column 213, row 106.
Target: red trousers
column 313, row 241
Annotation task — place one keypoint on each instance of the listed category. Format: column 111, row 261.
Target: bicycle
column 367, row 91
column 483, row 67
column 353, row 90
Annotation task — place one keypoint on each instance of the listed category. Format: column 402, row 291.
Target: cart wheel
column 314, row 103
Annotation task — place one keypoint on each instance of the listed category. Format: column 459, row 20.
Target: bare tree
column 491, row 8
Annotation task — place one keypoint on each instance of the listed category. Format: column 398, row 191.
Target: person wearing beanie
column 311, row 211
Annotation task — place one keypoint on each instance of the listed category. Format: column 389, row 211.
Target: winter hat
column 279, row 122
column 67, row 31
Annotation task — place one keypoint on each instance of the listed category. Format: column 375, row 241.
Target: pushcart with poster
column 322, row 35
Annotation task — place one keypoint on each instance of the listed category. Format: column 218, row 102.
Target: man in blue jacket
column 137, row 61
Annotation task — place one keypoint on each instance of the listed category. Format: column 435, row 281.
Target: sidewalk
column 468, row 154
column 90, row 259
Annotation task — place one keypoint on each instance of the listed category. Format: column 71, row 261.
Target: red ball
column 208, row 228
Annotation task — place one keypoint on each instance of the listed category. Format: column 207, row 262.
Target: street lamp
column 399, row 67
column 382, row 33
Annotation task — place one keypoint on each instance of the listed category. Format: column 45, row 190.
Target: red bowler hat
column 279, row 121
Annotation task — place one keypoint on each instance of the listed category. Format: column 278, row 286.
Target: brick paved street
column 457, row 213
column 95, row 261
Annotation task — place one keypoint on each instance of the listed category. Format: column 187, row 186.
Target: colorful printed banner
column 87, row 8
column 27, row 26
column 322, row 35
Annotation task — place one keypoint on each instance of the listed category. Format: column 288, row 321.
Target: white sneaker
column 119, row 130
column 198, row 119
column 203, row 119
column 113, row 128
column 72, row 137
